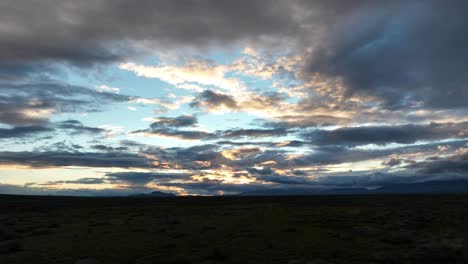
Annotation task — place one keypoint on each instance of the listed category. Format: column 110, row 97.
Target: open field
column 301, row 229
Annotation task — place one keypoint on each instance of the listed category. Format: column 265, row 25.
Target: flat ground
column 302, row 229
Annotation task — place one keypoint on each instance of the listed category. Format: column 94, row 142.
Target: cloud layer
column 217, row 97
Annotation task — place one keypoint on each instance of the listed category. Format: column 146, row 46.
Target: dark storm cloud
column 23, row 131
column 383, row 135
column 62, row 158
column 212, row 99
column 408, row 53
column 90, row 31
column 86, row 32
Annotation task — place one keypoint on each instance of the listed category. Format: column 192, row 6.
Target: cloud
column 189, row 75
column 45, row 190
column 78, row 181
column 109, row 89
column 305, row 121
column 239, row 133
column 169, row 127
column 214, row 100
column 383, row 135
column 143, row 178
column 174, row 133
column 23, row 131
column 37, row 159
column 407, row 53
column 393, row 161
column 109, row 148
column 162, row 104
column 240, row 153
column 112, row 27
column 180, row 121
column 453, row 164
column 77, row 128
column 263, row 104
column 215, row 187
column 246, row 143
column 34, row 103
column 271, row 176
column 332, row 76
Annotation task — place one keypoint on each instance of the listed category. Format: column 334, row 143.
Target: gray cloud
column 299, row 121
column 180, row 121
column 143, row 178
column 61, row 158
column 18, row 101
column 78, row 181
column 213, row 187
column 383, row 135
column 360, row 41
column 246, row 143
column 453, row 164
column 211, row 99
column 87, row 32
column 238, row 133
column 32, row 189
column 109, row 148
column 170, row 128
column 76, row 127
column 392, row 162
column 181, row 134
column 23, row 131
column 268, row 175
column 407, row 53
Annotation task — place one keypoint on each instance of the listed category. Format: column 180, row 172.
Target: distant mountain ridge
column 154, row 194
column 430, row 187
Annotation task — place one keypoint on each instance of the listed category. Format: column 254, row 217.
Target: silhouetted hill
column 154, row 194
column 304, row 191
column 431, row 187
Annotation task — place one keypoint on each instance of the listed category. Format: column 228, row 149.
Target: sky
column 218, row 97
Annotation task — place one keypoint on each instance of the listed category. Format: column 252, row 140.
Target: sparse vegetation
column 327, row 229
